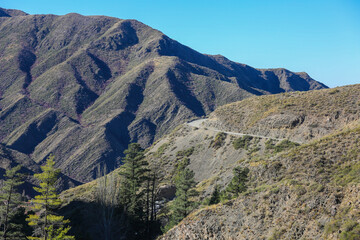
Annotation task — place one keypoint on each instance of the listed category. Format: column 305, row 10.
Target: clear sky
column 320, row 37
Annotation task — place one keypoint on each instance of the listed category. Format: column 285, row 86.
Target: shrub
column 242, row 142
column 218, row 141
column 185, row 153
column 283, row 145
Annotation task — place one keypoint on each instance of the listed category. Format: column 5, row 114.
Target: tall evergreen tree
column 133, row 172
column 215, row 196
column 183, row 205
column 47, row 225
column 10, row 201
column 238, row 182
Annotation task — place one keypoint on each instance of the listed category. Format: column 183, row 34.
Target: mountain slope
column 306, row 191
column 310, row 192
column 83, row 87
column 298, row 116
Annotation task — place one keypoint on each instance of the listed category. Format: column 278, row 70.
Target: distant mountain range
column 84, row 87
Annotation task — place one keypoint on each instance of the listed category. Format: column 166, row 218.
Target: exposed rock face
column 84, row 87
column 267, row 216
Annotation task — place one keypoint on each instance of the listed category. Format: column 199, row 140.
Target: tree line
column 126, row 202
column 38, row 221
column 137, row 204
column 126, row 205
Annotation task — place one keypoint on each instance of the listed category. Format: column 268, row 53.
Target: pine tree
column 10, row 201
column 133, row 172
column 182, row 205
column 215, row 196
column 47, row 225
column 133, row 191
column 238, row 182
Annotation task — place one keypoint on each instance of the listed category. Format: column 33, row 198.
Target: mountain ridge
column 86, row 86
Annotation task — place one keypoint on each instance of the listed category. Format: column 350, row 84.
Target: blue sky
column 320, row 37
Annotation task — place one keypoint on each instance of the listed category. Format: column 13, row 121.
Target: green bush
column 351, row 231
column 242, row 142
column 185, row 153
column 284, row 145
column 218, row 141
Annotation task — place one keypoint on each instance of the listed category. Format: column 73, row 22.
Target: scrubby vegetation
column 185, row 153
column 300, row 116
column 281, row 146
column 242, row 142
column 218, row 141
column 237, row 185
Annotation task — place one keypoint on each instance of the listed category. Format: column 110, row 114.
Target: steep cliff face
column 83, row 87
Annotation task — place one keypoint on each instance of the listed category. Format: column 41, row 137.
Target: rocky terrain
column 308, row 192
column 304, row 190
column 83, row 87
column 297, row 116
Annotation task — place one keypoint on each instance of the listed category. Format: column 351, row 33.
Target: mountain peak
column 11, row 12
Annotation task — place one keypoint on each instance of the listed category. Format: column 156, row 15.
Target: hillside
column 308, row 190
column 83, row 87
column 297, row 116
column 11, row 158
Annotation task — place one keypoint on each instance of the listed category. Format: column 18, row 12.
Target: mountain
column 83, row 87
column 11, row 12
column 303, row 187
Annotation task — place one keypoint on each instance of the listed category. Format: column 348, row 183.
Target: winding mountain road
column 199, row 124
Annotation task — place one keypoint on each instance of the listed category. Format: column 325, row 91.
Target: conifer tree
column 238, row 182
column 133, row 172
column 47, row 225
column 215, row 196
column 182, row 204
column 10, row 201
